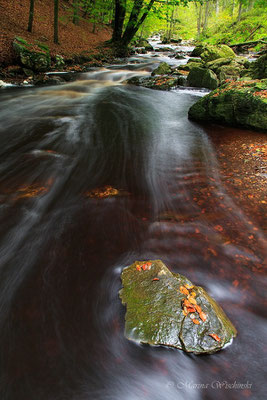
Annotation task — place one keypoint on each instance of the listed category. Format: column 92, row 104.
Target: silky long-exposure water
column 62, row 249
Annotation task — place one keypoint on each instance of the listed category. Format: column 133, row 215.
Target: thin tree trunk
column 206, row 15
column 217, row 8
column 233, row 8
column 31, row 14
column 75, row 18
column 239, row 11
column 56, row 21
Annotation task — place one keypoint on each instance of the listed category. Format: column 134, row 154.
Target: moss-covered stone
column 145, row 44
column 158, row 82
column 35, row 57
column 201, row 77
column 210, row 52
column 190, row 65
column 259, row 68
column 162, row 69
column 240, row 103
column 156, row 314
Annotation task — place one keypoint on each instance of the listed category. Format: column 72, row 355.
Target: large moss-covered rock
column 34, row 57
column 210, row 52
column 201, row 77
column 214, row 65
column 156, row 314
column 259, row 68
column 157, row 82
column 190, row 65
column 162, row 69
column 240, row 103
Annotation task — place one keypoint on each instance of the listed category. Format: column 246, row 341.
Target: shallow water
column 62, row 251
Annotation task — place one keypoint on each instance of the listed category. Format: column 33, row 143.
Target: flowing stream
column 62, row 249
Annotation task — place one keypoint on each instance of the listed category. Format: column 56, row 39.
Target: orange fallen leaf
column 215, row 337
column 196, row 321
column 184, row 290
column 192, row 300
column 155, row 279
column 203, row 316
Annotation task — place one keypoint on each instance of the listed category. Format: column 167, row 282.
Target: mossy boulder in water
column 210, row 52
column 164, row 308
column 162, row 69
column 259, row 68
column 239, row 103
column 201, row 77
column 157, row 82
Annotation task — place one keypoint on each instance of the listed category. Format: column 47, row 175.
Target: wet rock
column 159, row 82
column 179, row 56
column 162, row 69
column 145, row 44
column 46, row 80
column 231, row 71
column 210, row 52
column 219, row 62
column 201, row 77
column 259, row 68
column 240, row 103
column 33, row 57
column 189, row 66
column 156, row 311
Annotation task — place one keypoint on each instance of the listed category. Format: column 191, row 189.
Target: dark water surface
column 62, row 251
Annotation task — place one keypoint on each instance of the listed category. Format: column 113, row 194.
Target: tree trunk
column 217, row 8
column 31, row 14
column 199, row 18
column 56, row 21
column 120, row 11
column 133, row 26
column 239, row 11
column 206, row 15
column 75, row 18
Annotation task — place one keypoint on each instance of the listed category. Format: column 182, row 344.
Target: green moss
column 241, row 103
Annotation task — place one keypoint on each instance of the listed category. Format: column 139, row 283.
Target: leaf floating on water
column 196, row 321
column 105, row 191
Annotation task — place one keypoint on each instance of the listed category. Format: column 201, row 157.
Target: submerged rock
column 164, row 308
column 239, row 103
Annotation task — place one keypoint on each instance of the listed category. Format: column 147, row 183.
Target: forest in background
column 71, row 27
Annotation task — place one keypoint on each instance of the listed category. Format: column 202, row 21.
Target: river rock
column 219, row 62
column 259, row 68
column 210, row 52
column 201, row 77
column 156, row 313
column 239, row 103
column 162, row 69
column 158, row 82
column 189, row 66
column 33, row 57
